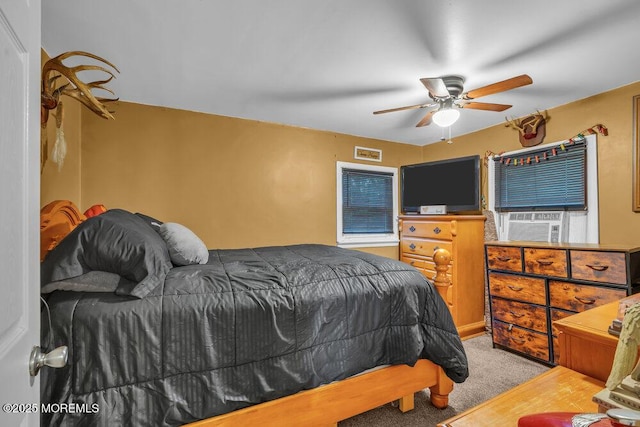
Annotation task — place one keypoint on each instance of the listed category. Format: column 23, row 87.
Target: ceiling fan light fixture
column 445, row 117
column 445, row 91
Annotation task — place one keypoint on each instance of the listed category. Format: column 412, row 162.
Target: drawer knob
column 412, row 263
column 585, row 300
column 598, row 267
column 412, row 229
column 503, row 258
column 516, row 315
column 544, row 261
column 437, row 230
column 515, row 288
column 412, row 246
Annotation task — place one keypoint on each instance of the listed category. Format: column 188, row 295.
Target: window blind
column 555, row 183
column 367, row 202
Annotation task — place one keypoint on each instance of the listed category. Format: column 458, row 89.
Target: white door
column 19, row 209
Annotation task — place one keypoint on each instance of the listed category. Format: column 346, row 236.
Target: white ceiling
column 329, row 64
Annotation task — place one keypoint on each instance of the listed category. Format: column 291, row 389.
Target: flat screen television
column 452, row 182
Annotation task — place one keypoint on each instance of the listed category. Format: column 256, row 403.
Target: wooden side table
column 585, row 344
column 557, row 390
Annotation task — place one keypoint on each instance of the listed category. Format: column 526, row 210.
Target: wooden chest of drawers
column 463, row 237
column 533, row 284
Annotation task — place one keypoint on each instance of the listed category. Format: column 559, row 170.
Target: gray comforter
column 249, row 326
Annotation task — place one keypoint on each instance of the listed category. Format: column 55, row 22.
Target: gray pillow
column 117, row 242
column 185, row 248
column 93, row 281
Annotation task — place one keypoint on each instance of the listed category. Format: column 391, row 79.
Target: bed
column 164, row 332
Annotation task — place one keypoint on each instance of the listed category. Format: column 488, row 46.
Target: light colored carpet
column 491, row 372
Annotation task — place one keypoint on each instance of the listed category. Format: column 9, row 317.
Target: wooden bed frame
column 57, row 219
column 328, row 404
column 324, row 405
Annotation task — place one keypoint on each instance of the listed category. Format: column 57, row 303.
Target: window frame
column 365, row 240
column 584, row 225
column 555, row 169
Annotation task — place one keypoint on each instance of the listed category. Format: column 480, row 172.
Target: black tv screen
column 452, row 182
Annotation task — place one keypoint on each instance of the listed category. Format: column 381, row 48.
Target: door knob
column 56, row 358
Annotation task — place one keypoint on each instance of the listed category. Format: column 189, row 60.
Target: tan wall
column 241, row 183
column 63, row 184
column 236, row 183
column 618, row 222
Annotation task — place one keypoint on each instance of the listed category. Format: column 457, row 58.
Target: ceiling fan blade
column 426, row 120
column 508, row 84
column 409, row 107
column 436, row 87
column 485, row 106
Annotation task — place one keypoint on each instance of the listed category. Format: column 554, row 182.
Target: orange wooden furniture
column 533, row 284
column 463, row 237
column 585, row 344
column 324, row 405
column 57, row 219
column 328, row 404
column 557, row 390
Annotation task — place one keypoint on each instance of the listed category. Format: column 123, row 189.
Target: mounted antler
column 531, row 128
column 527, row 126
column 74, row 88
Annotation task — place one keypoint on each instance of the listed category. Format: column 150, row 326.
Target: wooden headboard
column 57, row 219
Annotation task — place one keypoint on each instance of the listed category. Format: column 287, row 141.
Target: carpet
column 491, row 372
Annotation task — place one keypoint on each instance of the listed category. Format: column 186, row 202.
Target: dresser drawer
column 546, row 262
column 504, row 258
column 431, row 275
column 609, row 267
column 557, row 315
column 414, row 262
column 527, row 289
column 577, row 297
column 529, row 316
column 427, row 266
column 430, row 271
column 425, row 247
column 534, row 344
column 429, row 229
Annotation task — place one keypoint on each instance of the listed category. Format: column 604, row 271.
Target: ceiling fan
column 447, row 94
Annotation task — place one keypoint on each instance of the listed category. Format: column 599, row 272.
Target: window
column 570, row 185
column 367, row 201
column 550, row 179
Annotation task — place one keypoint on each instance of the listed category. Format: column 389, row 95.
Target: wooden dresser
column 533, row 284
column 586, row 346
column 463, row 237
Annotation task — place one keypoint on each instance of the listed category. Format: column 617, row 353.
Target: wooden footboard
column 328, row 404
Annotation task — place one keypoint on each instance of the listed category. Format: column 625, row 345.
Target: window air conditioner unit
column 538, row 226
